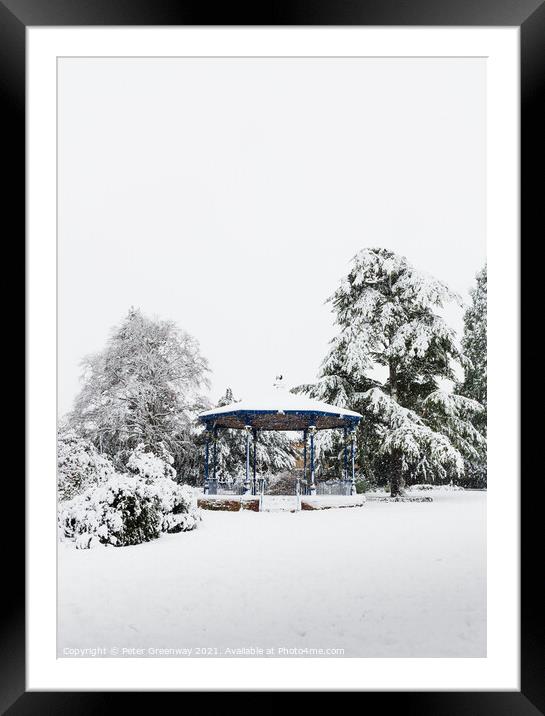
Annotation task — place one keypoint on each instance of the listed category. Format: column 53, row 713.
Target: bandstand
column 281, row 410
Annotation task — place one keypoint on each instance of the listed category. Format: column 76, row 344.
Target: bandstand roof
column 280, row 410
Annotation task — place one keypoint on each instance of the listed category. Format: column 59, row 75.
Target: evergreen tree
column 142, row 390
column 389, row 321
column 276, row 451
column 474, row 345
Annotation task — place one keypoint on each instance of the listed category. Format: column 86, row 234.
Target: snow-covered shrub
column 127, row 510
column 122, row 511
column 151, row 465
column 178, row 504
column 79, row 464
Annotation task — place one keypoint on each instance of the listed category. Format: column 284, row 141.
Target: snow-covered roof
column 280, row 410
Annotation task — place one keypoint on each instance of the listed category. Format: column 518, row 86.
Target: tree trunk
column 397, row 481
column 393, row 380
column 397, row 484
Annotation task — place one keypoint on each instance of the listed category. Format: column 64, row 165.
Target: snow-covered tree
column 455, row 416
column 143, row 388
column 276, row 451
column 475, row 345
column 389, row 320
column 79, row 464
column 151, row 465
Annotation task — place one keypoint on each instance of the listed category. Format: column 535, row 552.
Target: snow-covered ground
column 384, row 580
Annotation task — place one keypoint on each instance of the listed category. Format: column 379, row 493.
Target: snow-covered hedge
column 127, row 510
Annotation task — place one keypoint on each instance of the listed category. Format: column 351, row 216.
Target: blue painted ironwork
column 352, row 451
column 221, row 488
column 334, row 487
column 247, row 480
column 345, row 450
column 310, row 417
column 254, row 420
column 312, row 430
column 206, row 455
column 254, row 490
column 214, row 453
column 305, row 454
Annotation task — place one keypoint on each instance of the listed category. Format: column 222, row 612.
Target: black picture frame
column 529, row 15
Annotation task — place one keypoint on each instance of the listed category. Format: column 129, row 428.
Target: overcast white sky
column 230, row 194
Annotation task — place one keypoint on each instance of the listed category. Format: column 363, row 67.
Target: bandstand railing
column 339, row 487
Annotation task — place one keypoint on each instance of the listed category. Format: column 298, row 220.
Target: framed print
column 272, row 352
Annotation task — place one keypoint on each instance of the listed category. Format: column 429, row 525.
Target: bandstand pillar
column 345, row 451
column 247, row 487
column 304, row 456
column 254, row 487
column 214, row 453
column 206, row 455
column 312, row 430
column 352, row 458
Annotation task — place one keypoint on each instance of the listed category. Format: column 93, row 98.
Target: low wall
column 235, row 503
column 327, row 502
column 228, row 503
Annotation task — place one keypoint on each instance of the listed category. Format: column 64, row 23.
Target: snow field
column 382, row 580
